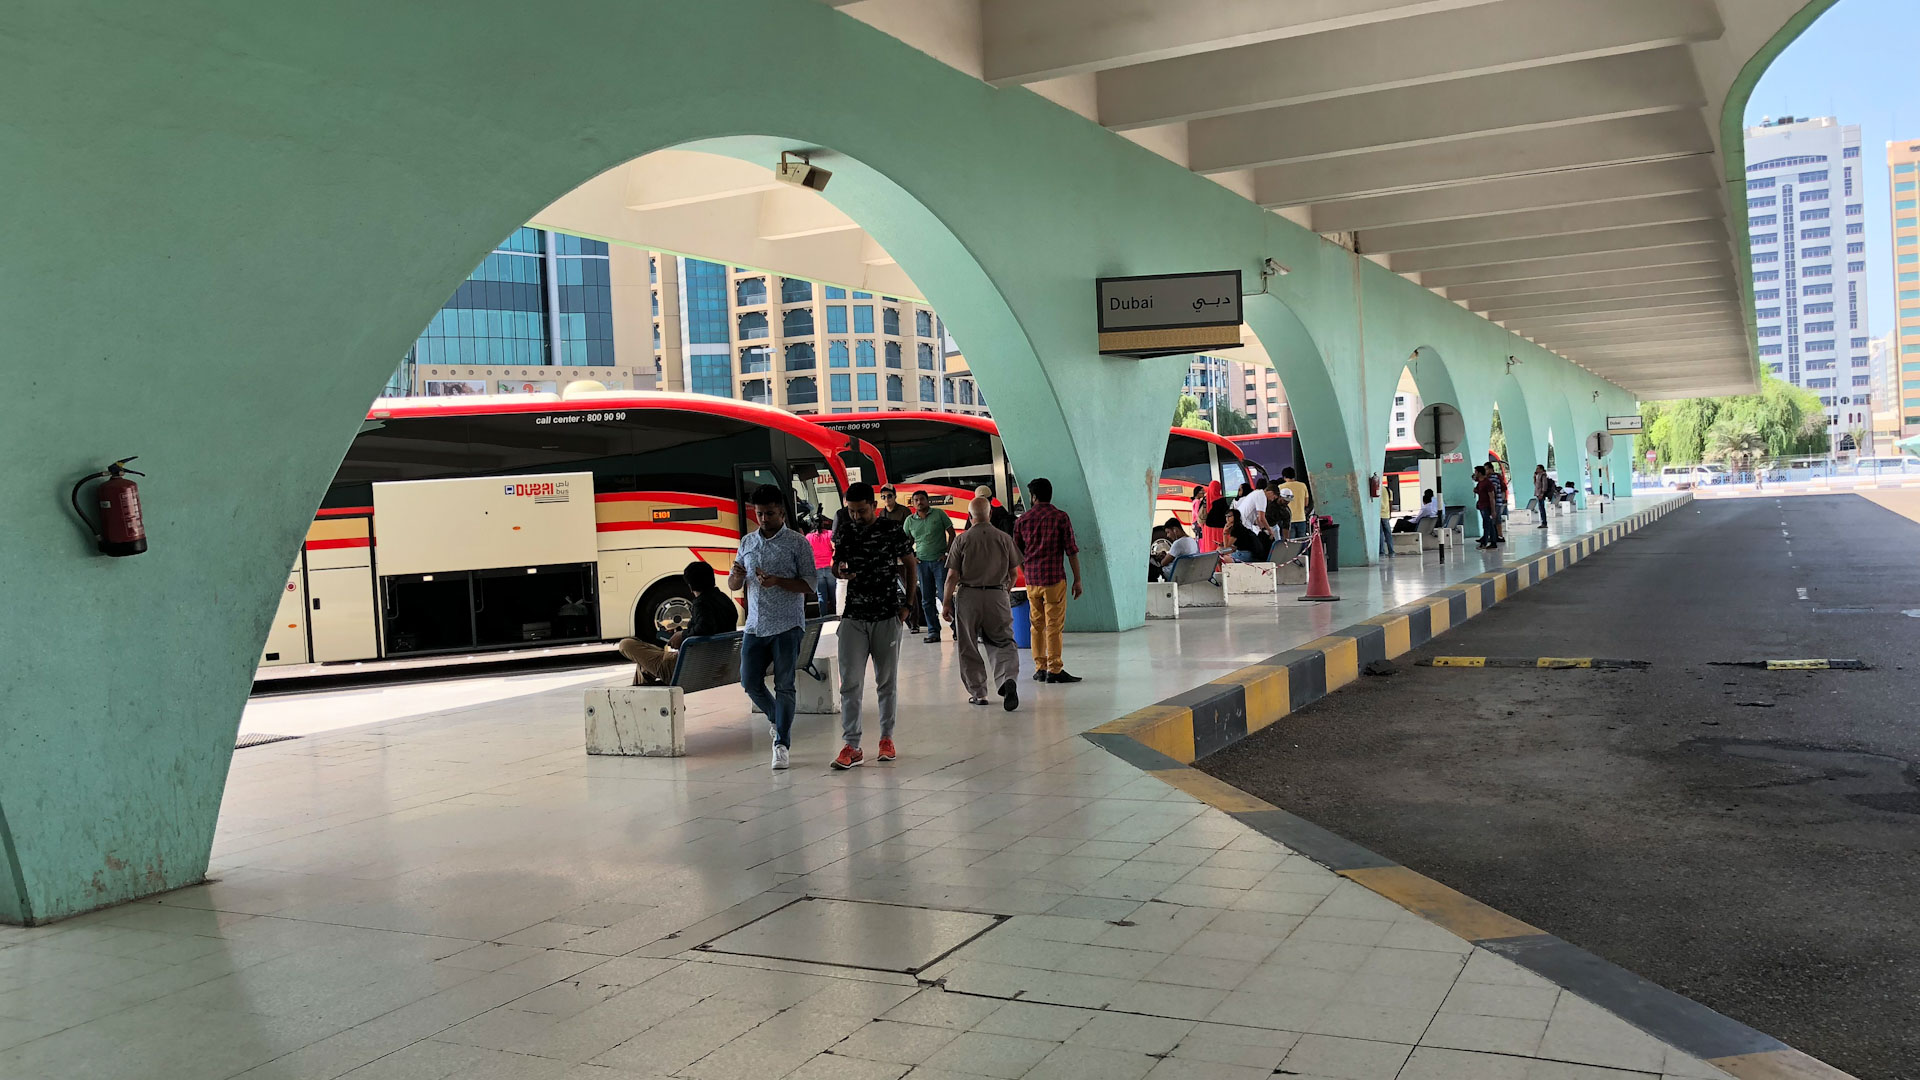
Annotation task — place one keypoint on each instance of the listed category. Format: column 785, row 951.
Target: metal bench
column 714, row 660
column 650, row 721
column 1188, row 583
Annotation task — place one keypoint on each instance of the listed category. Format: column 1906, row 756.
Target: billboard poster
column 526, row 386
column 454, row 387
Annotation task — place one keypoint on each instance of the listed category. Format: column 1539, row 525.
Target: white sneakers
column 779, row 756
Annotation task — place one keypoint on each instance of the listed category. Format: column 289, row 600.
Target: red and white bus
column 949, row 455
column 470, row 524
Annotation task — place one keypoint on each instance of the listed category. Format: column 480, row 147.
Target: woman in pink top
column 824, row 583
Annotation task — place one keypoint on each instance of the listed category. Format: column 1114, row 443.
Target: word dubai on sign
column 1168, row 314
column 1624, row 425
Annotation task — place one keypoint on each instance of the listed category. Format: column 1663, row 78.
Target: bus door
column 287, row 635
column 1006, row 487
column 813, row 491
column 746, row 479
column 342, row 618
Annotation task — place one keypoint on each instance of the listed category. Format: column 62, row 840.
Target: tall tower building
column 1902, row 375
column 1805, row 203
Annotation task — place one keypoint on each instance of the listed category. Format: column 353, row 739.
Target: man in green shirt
column 932, row 533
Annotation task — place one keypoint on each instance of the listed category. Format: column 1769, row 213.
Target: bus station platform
column 465, row 893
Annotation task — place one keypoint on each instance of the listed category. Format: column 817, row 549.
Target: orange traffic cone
column 1317, row 585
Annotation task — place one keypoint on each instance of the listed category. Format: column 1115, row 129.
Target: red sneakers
column 886, row 751
column 849, row 757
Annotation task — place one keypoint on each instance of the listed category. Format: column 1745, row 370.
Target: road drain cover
column 856, row 934
column 261, row 739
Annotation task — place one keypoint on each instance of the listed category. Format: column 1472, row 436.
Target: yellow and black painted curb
column 1215, row 715
column 1165, row 738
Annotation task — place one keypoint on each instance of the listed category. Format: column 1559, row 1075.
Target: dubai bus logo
column 545, row 491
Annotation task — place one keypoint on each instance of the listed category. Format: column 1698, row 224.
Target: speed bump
column 1816, row 664
column 1551, row 662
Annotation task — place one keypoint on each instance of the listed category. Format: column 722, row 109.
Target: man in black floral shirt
column 874, row 556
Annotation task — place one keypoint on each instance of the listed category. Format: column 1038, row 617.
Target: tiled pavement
column 466, row 894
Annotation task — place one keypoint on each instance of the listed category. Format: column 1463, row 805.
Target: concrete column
column 673, row 360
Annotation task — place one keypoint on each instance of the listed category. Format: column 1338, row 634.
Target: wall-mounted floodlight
column 1512, row 360
column 794, row 169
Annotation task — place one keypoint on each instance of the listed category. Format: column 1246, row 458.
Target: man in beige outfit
column 980, row 571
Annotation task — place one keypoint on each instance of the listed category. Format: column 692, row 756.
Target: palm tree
column 1737, row 442
column 1861, row 446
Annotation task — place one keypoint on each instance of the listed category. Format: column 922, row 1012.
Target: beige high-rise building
column 1903, row 168
column 798, row 345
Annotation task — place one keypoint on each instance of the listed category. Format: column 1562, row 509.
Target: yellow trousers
column 1047, row 606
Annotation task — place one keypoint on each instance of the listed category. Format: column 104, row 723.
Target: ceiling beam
column 1549, row 247
column 1603, row 142
column 1634, row 84
column 1030, row 40
column 1591, row 217
column 1437, row 47
column 1599, row 279
column 1715, row 331
column 1543, row 327
column 1724, row 293
column 1572, row 187
column 1621, row 293
column 1545, row 269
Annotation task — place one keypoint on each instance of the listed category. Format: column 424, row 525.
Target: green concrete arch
column 1525, row 446
column 1569, row 449
column 1332, row 443
column 1434, row 379
column 221, row 242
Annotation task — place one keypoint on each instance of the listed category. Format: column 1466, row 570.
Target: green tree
column 1737, row 441
column 1787, row 419
column 1235, row 422
column 1187, row 414
column 1497, row 440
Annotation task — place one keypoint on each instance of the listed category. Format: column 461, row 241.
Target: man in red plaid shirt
column 1045, row 535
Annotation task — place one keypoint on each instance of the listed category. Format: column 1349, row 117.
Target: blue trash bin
column 1022, row 621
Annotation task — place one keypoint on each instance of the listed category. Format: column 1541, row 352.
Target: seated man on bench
column 714, row 612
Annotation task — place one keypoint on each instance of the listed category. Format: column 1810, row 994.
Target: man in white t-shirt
column 1183, row 545
column 1253, row 509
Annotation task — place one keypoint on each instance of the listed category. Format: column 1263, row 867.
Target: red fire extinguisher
column 1373, row 485
column 120, row 531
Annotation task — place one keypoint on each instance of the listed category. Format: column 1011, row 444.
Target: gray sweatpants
column 858, row 641
column 986, row 615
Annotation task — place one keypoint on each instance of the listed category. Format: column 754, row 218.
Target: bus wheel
column 666, row 607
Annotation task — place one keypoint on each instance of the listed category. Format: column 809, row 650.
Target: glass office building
column 540, row 300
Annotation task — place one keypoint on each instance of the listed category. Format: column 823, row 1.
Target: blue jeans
column 933, row 580
column 1489, row 527
column 826, row 587
column 1386, row 539
column 782, row 650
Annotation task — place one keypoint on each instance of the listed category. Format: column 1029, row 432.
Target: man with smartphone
column 775, row 567
column 874, row 556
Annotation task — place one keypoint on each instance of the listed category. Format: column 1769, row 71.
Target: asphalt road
column 1748, row 838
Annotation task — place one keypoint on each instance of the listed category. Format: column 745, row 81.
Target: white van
column 1684, row 477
